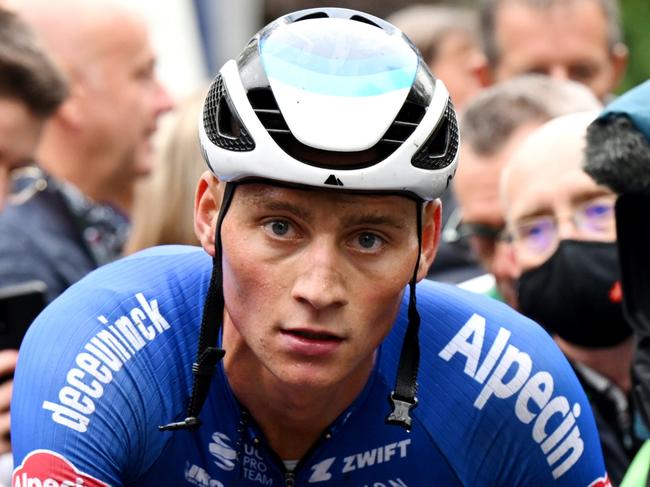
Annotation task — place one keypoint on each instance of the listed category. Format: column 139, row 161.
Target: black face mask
column 576, row 294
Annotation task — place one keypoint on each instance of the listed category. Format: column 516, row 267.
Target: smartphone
column 19, row 305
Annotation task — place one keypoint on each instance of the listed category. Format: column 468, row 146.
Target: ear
column 71, row 111
column 482, row 72
column 431, row 225
column 619, row 58
column 207, row 202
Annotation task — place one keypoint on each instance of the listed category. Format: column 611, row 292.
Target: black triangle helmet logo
column 333, row 181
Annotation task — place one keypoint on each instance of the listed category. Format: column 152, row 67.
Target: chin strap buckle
column 401, row 411
column 191, row 423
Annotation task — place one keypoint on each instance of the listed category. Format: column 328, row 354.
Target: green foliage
column 636, row 21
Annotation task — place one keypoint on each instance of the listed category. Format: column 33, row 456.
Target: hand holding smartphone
column 19, row 305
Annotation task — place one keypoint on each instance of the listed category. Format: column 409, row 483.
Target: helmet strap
column 208, row 353
column 403, row 398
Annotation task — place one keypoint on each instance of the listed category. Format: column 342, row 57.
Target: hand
column 8, row 360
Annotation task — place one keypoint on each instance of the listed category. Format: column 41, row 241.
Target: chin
column 143, row 167
column 310, row 377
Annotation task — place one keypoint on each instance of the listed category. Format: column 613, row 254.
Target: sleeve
column 19, row 260
column 88, row 394
column 506, row 397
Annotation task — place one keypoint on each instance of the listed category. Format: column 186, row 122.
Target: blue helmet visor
column 338, row 57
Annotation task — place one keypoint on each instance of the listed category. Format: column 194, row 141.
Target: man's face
column 123, row 100
column 457, row 56
column 476, row 187
column 550, row 198
column 19, row 134
column 313, row 280
column 567, row 40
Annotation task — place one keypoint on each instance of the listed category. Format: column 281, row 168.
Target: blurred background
column 194, row 38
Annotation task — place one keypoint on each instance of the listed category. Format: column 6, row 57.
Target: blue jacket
column 41, row 240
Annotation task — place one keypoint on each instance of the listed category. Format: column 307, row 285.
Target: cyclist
column 329, row 142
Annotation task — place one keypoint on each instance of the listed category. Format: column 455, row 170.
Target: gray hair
column 488, row 11
column 490, row 119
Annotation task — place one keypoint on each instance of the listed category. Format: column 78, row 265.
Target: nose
column 567, row 229
column 4, row 185
column 503, row 265
column 321, row 285
column 559, row 71
column 163, row 101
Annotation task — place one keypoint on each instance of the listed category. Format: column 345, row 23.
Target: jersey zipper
column 289, row 479
column 289, row 475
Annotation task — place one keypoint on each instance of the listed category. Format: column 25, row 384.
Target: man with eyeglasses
column 564, row 245
column 492, row 125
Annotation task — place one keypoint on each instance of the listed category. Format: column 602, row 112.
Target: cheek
column 376, row 304
column 249, row 285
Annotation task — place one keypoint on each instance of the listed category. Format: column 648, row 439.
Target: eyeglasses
column 24, row 183
column 594, row 219
column 482, row 238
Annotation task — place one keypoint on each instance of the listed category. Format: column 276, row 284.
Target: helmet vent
column 404, row 124
column 441, row 147
column 365, row 20
column 267, row 110
column 222, row 124
column 269, row 114
column 315, row 15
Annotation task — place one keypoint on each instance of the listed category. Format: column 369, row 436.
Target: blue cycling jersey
column 110, row 360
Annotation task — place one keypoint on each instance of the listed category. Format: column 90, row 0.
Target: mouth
column 313, row 335
column 310, row 343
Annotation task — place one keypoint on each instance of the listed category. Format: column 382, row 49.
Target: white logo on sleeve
column 224, row 454
column 506, row 371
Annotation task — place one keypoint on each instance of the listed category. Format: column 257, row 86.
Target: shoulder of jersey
column 166, row 275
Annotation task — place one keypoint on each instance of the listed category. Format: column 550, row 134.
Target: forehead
column 545, row 172
column 476, row 186
column 119, row 41
column 477, row 182
column 320, row 201
column 579, row 26
column 19, row 132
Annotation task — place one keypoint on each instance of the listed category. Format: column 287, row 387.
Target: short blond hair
column 164, row 205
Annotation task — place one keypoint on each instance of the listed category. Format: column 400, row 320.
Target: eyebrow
column 590, row 195
column 263, row 202
column 373, row 219
column 362, row 217
column 534, row 213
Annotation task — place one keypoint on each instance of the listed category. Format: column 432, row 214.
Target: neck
column 292, row 417
column 63, row 154
column 94, row 190
column 612, row 362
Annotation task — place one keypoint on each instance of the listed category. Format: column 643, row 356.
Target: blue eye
column 538, row 234
column 596, row 217
column 280, row 227
column 598, row 210
column 368, row 240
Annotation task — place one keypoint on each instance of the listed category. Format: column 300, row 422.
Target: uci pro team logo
column 221, row 450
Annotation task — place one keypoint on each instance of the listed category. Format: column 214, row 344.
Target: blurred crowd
column 86, row 177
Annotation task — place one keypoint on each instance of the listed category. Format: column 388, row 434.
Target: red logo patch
column 44, row 468
column 616, row 293
column 601, row 482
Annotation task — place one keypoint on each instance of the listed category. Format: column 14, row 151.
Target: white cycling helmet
column 328, row 98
